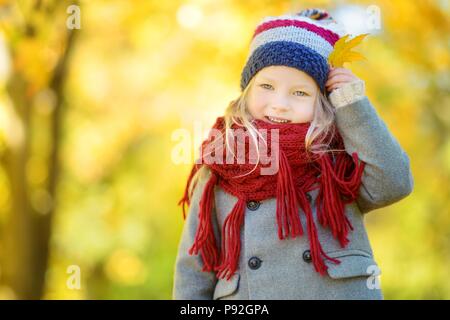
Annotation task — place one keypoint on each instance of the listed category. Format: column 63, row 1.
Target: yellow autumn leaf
column 342, row 51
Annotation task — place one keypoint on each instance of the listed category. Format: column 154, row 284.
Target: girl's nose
column 280, row 107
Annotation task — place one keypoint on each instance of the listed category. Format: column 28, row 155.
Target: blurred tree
column 40, row 45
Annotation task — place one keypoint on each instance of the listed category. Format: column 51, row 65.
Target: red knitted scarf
column 336, row 174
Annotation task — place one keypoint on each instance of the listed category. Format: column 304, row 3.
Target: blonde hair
column 318, row 137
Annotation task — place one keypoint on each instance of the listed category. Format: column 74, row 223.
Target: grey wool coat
column 270, row 268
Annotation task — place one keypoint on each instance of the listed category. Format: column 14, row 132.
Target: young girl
column 297, row 232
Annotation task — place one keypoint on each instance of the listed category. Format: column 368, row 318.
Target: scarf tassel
column 350, row 188
column 330, row 205
column 315, row 246
column 288, row 218
column 205, row 240
column 185, row 200
column 231, row 241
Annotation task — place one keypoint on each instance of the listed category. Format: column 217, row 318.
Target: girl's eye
column 300, row 93
column 266, row 86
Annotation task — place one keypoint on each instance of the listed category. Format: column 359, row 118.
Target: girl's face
column 281, row 94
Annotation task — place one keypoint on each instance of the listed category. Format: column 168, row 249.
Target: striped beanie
column 302, row 41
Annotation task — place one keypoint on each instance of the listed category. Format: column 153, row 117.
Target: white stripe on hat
column 325, row 24
column 293, row 34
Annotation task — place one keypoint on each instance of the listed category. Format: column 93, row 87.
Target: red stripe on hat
column 328, row 35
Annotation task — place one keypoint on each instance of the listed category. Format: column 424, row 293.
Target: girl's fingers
column 332, row 75
column 344, row 72
column 339, row 71
column 339, row 78
column 330, row 89
column 336, row 85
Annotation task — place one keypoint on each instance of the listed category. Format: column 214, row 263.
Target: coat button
column 254, row 263
column 308, row 196
column 253, row 205
column 307, row 256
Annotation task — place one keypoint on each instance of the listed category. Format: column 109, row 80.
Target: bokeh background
column 88, row 184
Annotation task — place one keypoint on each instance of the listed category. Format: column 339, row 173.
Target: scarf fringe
column 185, row 200
column 315, row 246
column 231, row 241
column 330, row 205
column 205, row 240
column 288, row 218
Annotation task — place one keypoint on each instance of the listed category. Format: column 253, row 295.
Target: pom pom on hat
column 315, row 14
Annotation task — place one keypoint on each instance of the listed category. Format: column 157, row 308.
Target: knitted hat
column 302, row 41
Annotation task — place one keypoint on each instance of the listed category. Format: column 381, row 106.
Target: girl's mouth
column 277, row 120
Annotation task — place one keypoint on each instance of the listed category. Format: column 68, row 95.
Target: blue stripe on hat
column 288, row 54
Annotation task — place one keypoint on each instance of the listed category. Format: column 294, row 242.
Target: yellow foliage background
column 87, row 177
